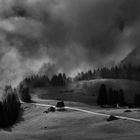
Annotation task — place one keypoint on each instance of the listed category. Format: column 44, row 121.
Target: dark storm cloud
column 73, row 34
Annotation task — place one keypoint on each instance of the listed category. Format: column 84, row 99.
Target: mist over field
column 70, row 35
column 69, row 69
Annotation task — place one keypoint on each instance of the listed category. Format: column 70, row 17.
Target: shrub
column 60, row 104
column 112, row 118
column 51, row 109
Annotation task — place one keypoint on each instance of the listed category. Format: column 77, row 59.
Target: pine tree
column 9, row 107
column 24, row 93
column 115, row 97
column 110, row 97
column 102, row 96
column 121, row 98
column 137, row 100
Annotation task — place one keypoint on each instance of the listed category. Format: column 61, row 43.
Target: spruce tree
column 102, row 96
column 121, row 98
column 110, row 97
column 24, row 92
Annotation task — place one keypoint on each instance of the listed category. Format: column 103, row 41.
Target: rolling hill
column 87, row 91
column 70, row 125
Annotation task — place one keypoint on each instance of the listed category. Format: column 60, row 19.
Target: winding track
column 90, row 112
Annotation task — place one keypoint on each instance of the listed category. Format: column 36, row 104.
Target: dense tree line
column 43, row 81
column 112, row 98
column 58, row 80
column 9, row 107
column 118, row 72
column 37, row 81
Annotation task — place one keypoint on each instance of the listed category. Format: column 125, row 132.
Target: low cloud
column 72, row 34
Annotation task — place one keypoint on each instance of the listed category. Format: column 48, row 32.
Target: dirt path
column 90, row 112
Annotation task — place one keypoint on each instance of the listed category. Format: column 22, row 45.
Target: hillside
column 70, row 125
column 87, row 91
column 133, row 58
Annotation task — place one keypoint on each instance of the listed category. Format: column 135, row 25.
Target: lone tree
column 102, row 96
column 24, row 93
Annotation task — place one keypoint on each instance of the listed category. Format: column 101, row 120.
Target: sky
column 68, row 35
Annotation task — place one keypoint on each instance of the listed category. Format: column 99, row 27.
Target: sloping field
column 87, row 91
column 69, row 125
